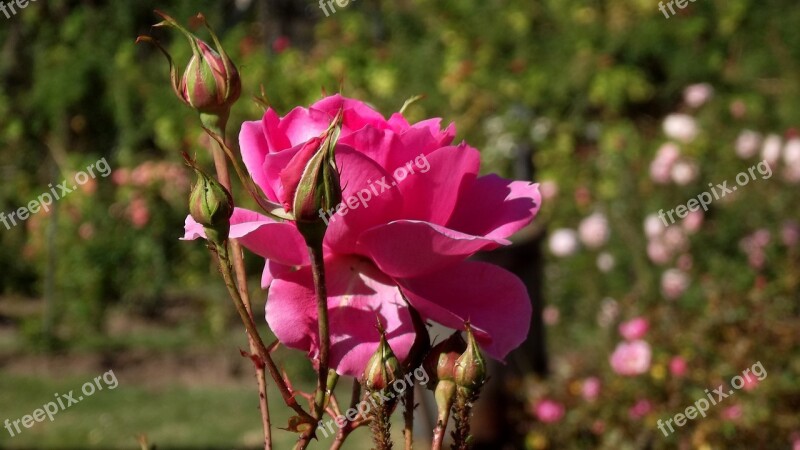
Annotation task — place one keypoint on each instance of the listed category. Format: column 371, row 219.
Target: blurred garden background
column 616, row 109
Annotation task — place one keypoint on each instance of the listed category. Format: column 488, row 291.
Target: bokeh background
column 617, row 110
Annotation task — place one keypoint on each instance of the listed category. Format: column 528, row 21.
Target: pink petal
column 254, row 149
column 406, row 248
column 495, row 207
column 432, row 195
column 494, row 300
column 359, row 295
column 302, row 124
column 361, row 178
column 357, row 114
column 278, row 241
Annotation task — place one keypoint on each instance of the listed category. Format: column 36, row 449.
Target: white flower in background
column 593, row 230
column 653, row 226
column 698, row 94
column 564, row 242
column 681, row 127
column 683, row 173
column 674, row 283
column 747, row 144
column 605, row 262
column 609, row 310
column 771, row 149
column 791, row 152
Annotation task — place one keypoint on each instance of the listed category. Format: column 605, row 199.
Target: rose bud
column 311, row 183
column 470, row 371
column 210, row 83
column 383, row 368
column 440, row 362
column 211, row 205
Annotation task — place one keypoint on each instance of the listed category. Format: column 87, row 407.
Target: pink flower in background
column 281, row 44
column 408, row 247
column 674, row 283
column 658, row 252
column 634, row 329
column 138, row 212
column 677, row 366
column 661, row 166
column 590, row 389
column 790, row 233
column 631, row 358
column 121, row 177
column 750, row 382
column 693, row 221
column 548, row 189
column 548, row 411
column 640, row 409
column 732, row 413
column 747, row 144
column 683, row 172
column 550, row 315
column 681, row 127
column 564, row 242
column 593, row 230
column 696, row 95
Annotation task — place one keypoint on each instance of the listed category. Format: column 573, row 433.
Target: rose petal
column 432, row 195
column 406, row 248
column 495, row 207
column 494, row 300
column 358, row 295
column 278, row 241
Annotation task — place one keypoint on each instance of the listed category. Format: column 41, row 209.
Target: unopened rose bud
column 441, row 360
column 210, row 84
column 470, row 371
column 311, row 183
column 383, row 368
column 211, row 205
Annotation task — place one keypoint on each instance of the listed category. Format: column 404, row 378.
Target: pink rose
column 414, row 210
column 631, row 358
column 681, row 127
column 590, row 389
column 634, row 329
column 548, row 411
column 696, row 95
column 674, row 283
column 593, row 230
column 640, row 409
column 677, row 366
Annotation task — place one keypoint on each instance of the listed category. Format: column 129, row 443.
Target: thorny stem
column 318, row 272
column 463, row 412
column 252, row 331
column 408, row 416
column 381, row 426
column 221, row 166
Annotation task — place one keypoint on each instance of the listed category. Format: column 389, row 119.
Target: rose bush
column 407, row 248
